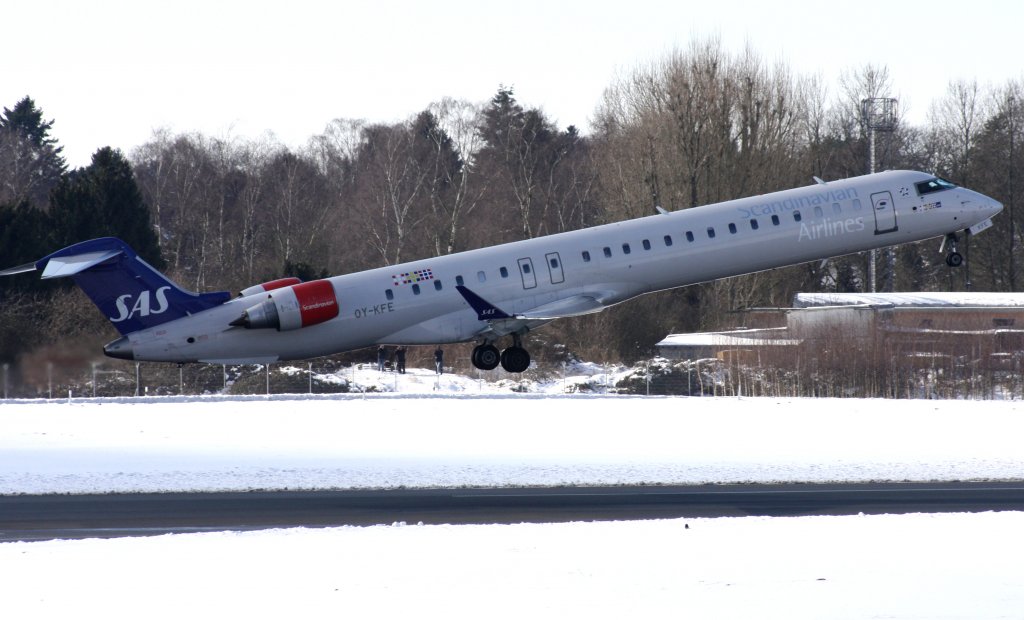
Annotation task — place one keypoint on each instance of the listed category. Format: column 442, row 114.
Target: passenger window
column 525, row 267
column 668, row 240
column 837, row 208
column 437, row 285
column 586, row 256
column 459, row 281
column 796, row 216
column 775, row 220
column 481, row 276
column 856, row 204
column 711, row 232
column 689, row 236
column 554, row 263
column 625, row 248
column 607, row 252
column 415, row 289
column 753, row 224
column 732, row 228
column 504, row 272
column 647, row 244
column 389, row 294
column 818, row 212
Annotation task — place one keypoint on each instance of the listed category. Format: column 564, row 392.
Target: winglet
column 485, row 310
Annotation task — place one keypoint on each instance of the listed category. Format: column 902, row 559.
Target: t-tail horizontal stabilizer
column 485, row 310
column 130, row 292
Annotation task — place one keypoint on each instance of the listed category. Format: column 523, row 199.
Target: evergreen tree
column 103, row 200
column 23, row 238
column 31, row 163
column 28, row 119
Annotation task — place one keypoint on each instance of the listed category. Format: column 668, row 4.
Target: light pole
column 879, row 114
column 1013, row 271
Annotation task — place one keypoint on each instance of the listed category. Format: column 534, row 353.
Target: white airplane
column 506, row 290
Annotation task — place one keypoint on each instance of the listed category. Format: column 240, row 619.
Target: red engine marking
column 276, row 284
column 317, row 302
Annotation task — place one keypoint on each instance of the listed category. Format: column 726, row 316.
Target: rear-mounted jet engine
column 301, row 305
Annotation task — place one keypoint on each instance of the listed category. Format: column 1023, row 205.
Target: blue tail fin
column 131, row 293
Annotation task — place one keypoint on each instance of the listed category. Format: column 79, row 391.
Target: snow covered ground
column 384, row 441
column 910, row 566
column 887, row 566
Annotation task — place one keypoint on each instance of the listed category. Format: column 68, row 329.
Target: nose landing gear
column 953, row 257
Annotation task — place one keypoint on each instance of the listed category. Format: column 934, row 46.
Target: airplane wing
column 576, row 305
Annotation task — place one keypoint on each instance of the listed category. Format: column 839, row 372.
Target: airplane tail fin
column 131, row 293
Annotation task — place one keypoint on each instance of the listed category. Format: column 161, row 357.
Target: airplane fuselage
column 417, row 302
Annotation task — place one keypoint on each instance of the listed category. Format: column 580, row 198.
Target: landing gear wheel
column 954, row 259
column 515, row 359
column 485, row 357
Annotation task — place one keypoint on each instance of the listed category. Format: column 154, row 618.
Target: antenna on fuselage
column 819, row 181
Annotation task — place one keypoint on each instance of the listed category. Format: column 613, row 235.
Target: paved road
column 42, row 517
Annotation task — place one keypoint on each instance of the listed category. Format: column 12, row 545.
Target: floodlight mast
column 879, row 114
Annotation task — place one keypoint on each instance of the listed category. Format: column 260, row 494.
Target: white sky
column 109, row 72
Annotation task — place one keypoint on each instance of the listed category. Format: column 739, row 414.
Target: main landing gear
column 953, row 257
column 513, row 359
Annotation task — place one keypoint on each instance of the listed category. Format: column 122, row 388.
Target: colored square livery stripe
column 412, row 277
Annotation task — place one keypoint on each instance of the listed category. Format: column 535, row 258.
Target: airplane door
column 555, row 268
column 885, row 212
column 526, row 270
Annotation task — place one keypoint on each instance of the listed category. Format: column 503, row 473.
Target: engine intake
column 285, row 309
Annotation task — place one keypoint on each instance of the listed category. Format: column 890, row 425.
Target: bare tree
column 955, row 121
column 388, row 185
column 455, row 187
column 296, row 196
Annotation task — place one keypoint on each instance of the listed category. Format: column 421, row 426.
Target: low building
column 987, row 328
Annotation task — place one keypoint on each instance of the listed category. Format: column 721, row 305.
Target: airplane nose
column 994, row 207
column 120, row 349
column 978, row 202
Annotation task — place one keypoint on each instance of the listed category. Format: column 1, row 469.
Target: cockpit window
column 933, row 185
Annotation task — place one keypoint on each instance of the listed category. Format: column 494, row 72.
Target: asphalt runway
column 45, row 517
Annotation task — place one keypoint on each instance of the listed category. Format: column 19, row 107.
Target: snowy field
column 885, row 566
column 387, row 441
column 924, row 567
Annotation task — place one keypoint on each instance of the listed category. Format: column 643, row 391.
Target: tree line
column 697, row 126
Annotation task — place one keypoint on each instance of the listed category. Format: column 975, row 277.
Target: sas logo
column 142, row 305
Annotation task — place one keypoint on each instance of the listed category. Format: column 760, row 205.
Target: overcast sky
column 110, row 72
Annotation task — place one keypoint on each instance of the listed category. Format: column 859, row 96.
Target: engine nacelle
column 266, row 287
column 301, row 305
